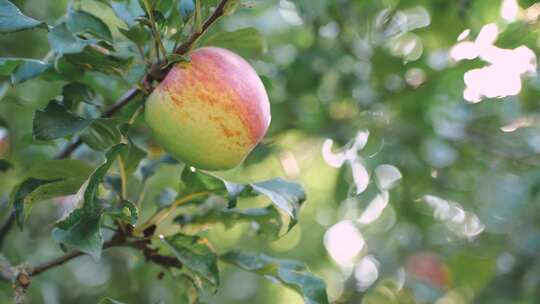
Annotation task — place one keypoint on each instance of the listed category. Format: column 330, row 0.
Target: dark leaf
column 99, row 59
column 81, row 229
column 79, row 22
column 138, row 34
column 132, row 157
column 4, row 165
column 55, row 121
column 77, row 92
column 48, row 179
column 12, row 20
column 62, row 41
column 292, row 274
column 127, row 10
column 19, row 194
column 195, row 254
column 101, row 134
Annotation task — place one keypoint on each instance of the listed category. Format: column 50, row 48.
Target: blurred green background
column 412, row 125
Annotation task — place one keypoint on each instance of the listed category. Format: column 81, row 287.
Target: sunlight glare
column 343, row 242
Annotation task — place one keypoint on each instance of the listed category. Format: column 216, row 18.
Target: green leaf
column 59, row 168
column 132, row 157
column 110, row 301
column 101, row 134
column 52, row 190
column 285, row 195
column 292, row 274
column 197, row 181
column 48, row 179
column 62, row 41
column 19, row 194
column 138, row 34
column 195, row 254
column 83, row 22
column 8, row 65
column 265, row 221
column 5, row 165
column 22, row 69
column 99, row 59
column 127, row 10
column 246, row 40
column 55, row 121
column 77, row 92
column 81, row 229
column 12, row 20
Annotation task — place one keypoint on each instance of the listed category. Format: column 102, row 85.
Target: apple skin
column 209, row 112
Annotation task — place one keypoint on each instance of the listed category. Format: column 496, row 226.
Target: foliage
column 400, row 165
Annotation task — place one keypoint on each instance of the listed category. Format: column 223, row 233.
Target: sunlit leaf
column 264, row 221
column 195, row 254
column 287, row 196
column 244, row 40
column 292, row 274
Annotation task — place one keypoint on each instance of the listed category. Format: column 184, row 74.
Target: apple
column 209, row 112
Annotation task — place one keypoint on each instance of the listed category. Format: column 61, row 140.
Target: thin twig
column 34, row 271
